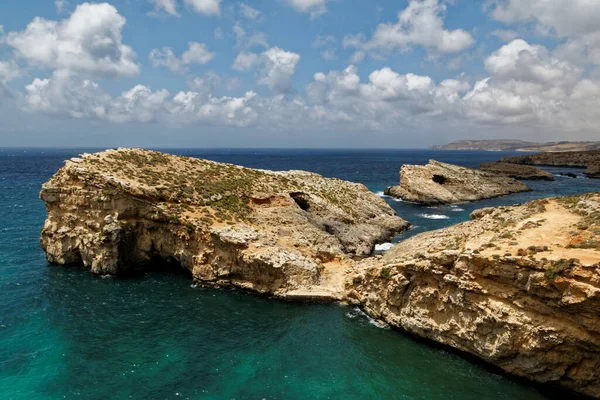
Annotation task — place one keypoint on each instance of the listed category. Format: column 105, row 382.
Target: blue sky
column 297, row 73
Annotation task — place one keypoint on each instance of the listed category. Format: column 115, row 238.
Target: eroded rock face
column 584, row 159
column 518, row 287
column 517, row 171
column 440, row 183
column 284, row 233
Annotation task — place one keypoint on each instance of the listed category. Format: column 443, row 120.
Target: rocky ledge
column 291, row 234
column 518, row 287
column 440, row 183
column 582, row 159
column 517, row 171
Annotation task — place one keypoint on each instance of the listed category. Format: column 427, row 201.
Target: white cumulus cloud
column 205, row 7
column 166, row 6
column 276, row 67
column 89, row 41
column 197, row 53
column 578, row 21
column 420, row 24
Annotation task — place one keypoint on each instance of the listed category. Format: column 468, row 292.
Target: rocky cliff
column 287, row 233
column 582, row 159
column 518, row 287
column 440, row 183
column 517, row 171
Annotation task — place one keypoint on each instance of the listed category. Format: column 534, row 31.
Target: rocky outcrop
column 291, row 234
column 518, row 287
column 581, row 159
column 517, row 171
column 440, row 183
column 593, row 170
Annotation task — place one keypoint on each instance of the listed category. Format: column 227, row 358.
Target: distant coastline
column 517, row 145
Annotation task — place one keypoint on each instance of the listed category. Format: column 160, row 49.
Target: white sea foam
column 384, row 196
column 383, row 246
column 357, row 312
column 457, row 209
column 434, row 216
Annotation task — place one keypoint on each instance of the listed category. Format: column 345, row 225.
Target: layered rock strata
column 440, row 183
column 518, row 287
column 287, row 233
column 517, row 171
column 582, row 159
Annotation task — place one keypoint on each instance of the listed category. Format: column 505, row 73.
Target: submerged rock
column 517, row 171
column 440, row 183
column 518, row 287
column 273, row 232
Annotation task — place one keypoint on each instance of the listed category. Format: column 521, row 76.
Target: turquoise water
column 67, row 334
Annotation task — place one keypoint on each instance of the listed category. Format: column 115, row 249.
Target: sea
column 67, row 334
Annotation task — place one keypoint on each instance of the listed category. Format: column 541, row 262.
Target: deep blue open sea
column 65, row 334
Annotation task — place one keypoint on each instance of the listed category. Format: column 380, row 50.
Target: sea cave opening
column 439, row 179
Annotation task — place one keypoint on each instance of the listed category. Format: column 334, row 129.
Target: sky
column 297, row 73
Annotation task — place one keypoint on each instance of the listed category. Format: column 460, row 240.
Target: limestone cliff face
column 518, row 287
column 440, row 183
column 287, row 233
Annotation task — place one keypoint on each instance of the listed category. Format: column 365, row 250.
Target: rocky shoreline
column 582, row 159
column 518, row 287
column 517, row 171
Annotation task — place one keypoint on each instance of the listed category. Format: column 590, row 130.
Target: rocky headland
column 291, row 234
column 582, row 159
column 518, row 287
column 440, row 183
column 517, row 145
column 517, row 171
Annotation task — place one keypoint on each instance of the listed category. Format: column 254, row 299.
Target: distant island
column 518, row 145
